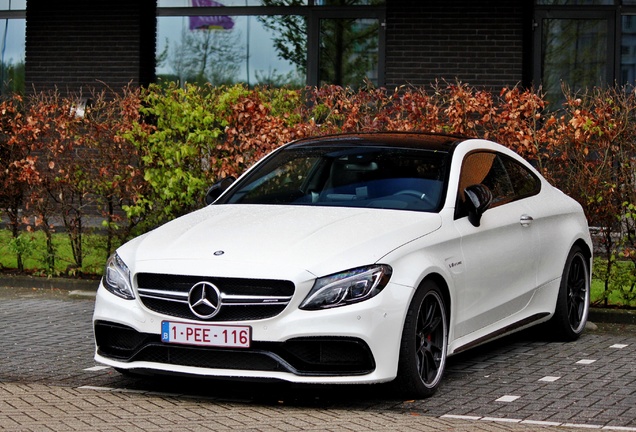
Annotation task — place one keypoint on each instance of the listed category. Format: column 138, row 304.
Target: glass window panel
column 575, row 2
column 349, row 2
column 12, row 5
column 289, row 37
column 628, row 50
column 12, row 37
column 575, row 52
column 223, row 50
column 349, row 51
column 188, row 3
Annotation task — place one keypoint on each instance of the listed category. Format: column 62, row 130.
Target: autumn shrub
column 40, row 140
column 114, row 164
column 140, row 157
column 62, row 167
column 593, row 161
column 12, row 189
column 514, row 117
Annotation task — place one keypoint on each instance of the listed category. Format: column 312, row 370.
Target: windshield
column 355, row 176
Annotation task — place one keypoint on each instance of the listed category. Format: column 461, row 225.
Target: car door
column 501, row 254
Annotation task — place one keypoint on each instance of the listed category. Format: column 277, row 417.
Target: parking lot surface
column 49, row 381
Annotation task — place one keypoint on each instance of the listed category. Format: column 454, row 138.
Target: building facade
column 72, row 45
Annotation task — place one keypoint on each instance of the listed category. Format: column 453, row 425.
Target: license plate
column 206, row 334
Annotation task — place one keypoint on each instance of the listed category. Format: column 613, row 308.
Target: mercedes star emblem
column 204, row 300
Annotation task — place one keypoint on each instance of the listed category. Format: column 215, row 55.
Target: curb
column 49, row 283
column 616, row 316
column 87, row 288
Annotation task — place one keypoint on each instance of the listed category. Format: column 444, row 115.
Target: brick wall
column 481, row 43
column 75, row 45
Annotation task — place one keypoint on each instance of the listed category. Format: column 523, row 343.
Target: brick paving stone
column 47, row 344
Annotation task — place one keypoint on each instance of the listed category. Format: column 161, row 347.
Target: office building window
column 349, row 51
column 12, row 38
column 224, row 50
column 272, row 42
column 582, row 44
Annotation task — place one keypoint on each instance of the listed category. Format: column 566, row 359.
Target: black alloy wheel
column 573, row 303
column 577, row 292
column 424, row 343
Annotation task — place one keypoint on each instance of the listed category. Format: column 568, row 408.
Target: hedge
column 139, row 157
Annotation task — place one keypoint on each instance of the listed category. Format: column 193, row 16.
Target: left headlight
column 348, row 287
column 117, row 278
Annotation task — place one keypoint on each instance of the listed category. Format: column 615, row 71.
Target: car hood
column 321, row 240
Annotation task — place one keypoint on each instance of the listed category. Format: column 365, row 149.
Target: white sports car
column 354, row 258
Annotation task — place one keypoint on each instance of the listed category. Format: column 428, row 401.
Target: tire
column 424, row 342
column 573, row 301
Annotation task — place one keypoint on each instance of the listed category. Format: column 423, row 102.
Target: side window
column 498, row 181
column 523, row 181
column 507, row 179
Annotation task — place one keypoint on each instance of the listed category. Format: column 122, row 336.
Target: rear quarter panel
column 560, row 223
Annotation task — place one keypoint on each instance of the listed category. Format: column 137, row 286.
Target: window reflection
column 188, row 3
column 575, row 2
column 289, row 37
column 628, row 50
column 238, row 49
column 12, row 37
column 340, row 45
column 349, row 2
column 349, row 51
column 574, row 52
column 12, row 5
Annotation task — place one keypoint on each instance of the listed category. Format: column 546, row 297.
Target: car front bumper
column 358, row 343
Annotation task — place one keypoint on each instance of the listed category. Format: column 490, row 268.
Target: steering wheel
column 417, row 194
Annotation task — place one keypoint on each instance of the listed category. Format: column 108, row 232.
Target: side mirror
column 478, row 200
column 218, row 188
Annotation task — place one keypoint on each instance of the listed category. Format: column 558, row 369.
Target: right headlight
column 351, row 286
column 117, row 278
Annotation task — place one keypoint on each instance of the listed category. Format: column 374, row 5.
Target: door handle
column 526, row 220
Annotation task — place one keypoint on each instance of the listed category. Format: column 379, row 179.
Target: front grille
column 303, row 356
column 242, row 299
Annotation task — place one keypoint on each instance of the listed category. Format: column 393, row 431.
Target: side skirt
column 502, row 332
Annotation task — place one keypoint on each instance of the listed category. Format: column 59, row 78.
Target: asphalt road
column 49, row 381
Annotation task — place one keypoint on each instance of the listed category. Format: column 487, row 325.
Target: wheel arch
column 441, row 283
column 585, row 249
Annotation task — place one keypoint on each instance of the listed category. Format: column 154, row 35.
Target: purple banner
column 220, row 22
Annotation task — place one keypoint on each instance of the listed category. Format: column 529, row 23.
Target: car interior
column 406, row 180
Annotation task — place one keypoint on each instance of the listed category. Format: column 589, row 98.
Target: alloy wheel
column 577, row 292
column 430, row 334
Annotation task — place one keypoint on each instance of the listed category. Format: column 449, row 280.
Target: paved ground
column 49, row 381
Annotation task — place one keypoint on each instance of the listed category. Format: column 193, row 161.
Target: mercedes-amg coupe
column 353, row 258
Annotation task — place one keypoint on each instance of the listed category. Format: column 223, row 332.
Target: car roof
column 415, row 140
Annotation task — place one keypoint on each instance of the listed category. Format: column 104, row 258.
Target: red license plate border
column 223, row 336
